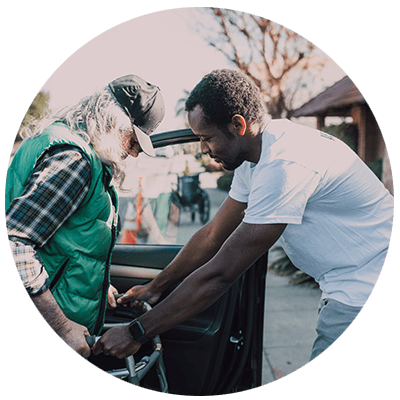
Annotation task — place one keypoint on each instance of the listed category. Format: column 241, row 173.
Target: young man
column 62, row 209
column 331, row 214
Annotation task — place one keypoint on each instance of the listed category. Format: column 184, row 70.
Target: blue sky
column 171, row 55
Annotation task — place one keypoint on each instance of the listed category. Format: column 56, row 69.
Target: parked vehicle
column 216, row 352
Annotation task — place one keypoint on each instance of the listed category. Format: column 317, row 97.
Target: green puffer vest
column 77, row 258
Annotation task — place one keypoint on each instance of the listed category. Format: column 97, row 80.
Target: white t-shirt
column 339, row 214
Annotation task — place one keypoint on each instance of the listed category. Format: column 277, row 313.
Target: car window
column 167, row 198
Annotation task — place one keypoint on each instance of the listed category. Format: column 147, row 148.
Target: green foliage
column 224, row 182
column 36, row 111
column 280, row 263
column 376, row 167
column 348, row 133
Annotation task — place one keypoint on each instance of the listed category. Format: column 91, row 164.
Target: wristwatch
column 137, row 332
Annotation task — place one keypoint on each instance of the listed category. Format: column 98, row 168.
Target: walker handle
column 91, row 340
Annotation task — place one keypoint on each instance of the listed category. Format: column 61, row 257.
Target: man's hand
column 75, row 336
column 116, row 342
column 71, row 332
column 111, row 302
column 139, row 293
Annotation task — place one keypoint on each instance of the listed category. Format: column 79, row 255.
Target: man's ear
column 239, row 123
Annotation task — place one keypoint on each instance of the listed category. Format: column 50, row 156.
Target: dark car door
column 220, row 350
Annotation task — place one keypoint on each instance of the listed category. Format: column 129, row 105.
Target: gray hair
column 99, row 120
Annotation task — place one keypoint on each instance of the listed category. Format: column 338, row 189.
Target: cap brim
column 144, row 141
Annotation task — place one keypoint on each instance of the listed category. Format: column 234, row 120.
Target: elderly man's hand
column 74, row 336
column 111, row 302
column 116, row 342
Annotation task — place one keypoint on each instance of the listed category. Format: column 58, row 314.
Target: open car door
column 218, row 351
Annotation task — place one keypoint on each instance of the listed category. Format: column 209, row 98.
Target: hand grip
column 91, row 340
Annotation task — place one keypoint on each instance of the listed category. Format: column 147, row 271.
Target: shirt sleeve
column 29, row 267
column 55, row 189
column 280, row 192
column 239, row 189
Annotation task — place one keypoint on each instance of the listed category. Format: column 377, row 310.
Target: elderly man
column 62, row 209
column 308, row 189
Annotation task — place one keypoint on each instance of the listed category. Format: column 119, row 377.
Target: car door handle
column 236, row 340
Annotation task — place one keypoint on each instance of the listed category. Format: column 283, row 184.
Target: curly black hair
column 223, row 93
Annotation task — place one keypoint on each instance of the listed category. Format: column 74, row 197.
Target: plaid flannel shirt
column 55, row 189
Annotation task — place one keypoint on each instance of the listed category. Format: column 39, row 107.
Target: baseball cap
column 144, row 105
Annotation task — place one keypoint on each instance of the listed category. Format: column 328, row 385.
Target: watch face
column 137, row 332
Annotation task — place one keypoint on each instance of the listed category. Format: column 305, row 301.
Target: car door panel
column 123, row 277
column 198, row 351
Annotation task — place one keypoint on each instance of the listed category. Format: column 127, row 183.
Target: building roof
column 334, row 101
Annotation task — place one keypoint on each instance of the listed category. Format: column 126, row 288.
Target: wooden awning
column 336, row 100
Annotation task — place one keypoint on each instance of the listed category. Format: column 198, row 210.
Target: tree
column 36, row 111
column 279, row 61
column 180, row 106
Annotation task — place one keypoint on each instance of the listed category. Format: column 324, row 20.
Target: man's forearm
column 199, row 290
column 203, row 245
column 198, row 251
column 52, row 313
column 205, row 285
column 71, row 332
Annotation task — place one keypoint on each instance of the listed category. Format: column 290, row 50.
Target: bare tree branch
column 268, row 53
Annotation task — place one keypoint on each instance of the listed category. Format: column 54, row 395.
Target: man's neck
column 255, row 141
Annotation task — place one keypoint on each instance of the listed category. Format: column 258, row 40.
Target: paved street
column 290, row 319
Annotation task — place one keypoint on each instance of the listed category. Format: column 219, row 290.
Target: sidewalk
column 289, row 326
